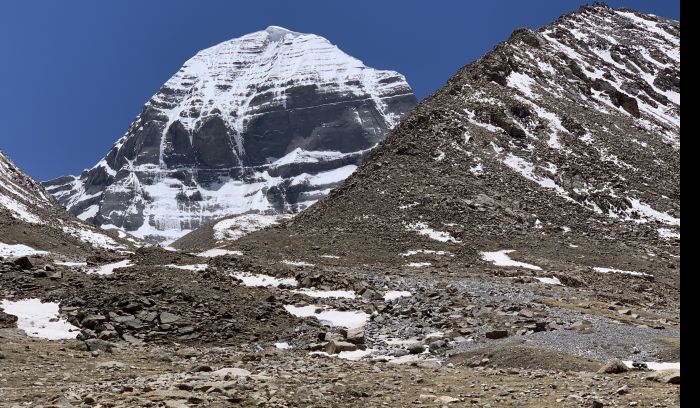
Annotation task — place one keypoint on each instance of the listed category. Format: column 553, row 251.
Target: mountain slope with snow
column 268, row 122
column 32, row 222
column 562, row 144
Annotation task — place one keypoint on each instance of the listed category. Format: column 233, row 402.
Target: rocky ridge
column 32, row 223
column 562, row 144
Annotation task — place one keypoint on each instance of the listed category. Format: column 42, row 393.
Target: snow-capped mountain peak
column 209, row 142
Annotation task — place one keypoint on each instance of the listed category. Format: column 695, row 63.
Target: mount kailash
column 266, row 123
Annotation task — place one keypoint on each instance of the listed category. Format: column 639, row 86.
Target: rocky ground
column 502, row 247
column 40, row 373
column 158, row 335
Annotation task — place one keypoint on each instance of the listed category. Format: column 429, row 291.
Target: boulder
column 168, row 318
column 416, row 348
column 613, row 367
column 666, row 376
column 446, row 399
column 335, row 347
column 496, row 334
column 112, row 365
column 24, row 263
column 98, row 344
column 355, row 335
column 230, row 372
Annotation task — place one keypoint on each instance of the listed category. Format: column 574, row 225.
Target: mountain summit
column 266, row 122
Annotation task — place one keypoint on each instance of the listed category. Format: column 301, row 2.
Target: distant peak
column 275, row 33
column 274, row 28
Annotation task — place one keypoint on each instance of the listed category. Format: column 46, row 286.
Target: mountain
column 561, row 145
column 33, row 223
column 268, row 122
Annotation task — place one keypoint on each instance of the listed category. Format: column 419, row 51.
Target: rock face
column 19, row 193
column 33, row 223
column 267, row 122
column 562, row 144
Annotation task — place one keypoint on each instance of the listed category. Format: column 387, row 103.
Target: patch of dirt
column 519, row 355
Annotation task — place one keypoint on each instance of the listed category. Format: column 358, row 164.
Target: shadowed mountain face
column 33, row 223
column 562, row 144
column 267, row 122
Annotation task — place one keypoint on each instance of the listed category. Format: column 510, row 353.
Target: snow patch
column 527, row 170
column 406, row 206
column 424, row 251
column 521, row 82
column 39, row 319
column 19, row 210
column 89, row 212
column 418, row 264
column 214, row 252
column 19, row 250
column 407, row 359
column 324, row 294
column 357, row 354
column 648, row 212
column 667, row 233
column 96, row 239
column 346, row 355
column 296, row 263
column 108, row 269
column 192, row 267
column 501, row 258
column 233, row 228
column 395, row 294
column 654, row 366
column 613, row 270
column 423, row 229
column 330, row 317
column 300, row 155
column 549, row 281
column 254, row 279
column 477, row 169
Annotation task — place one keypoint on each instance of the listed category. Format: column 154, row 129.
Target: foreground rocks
column 455, row 340
column 54, row 374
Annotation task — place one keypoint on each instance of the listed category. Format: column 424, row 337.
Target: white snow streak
column 330, row 317
column 260, row 280
column 501, row 258
column 423, row 229
column 19, row 250
column 613, row 270
column 210, row 253
column 326, row 294
column 108, row 269
column 395, row 294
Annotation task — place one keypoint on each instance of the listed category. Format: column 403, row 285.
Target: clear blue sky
column 76, row 73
